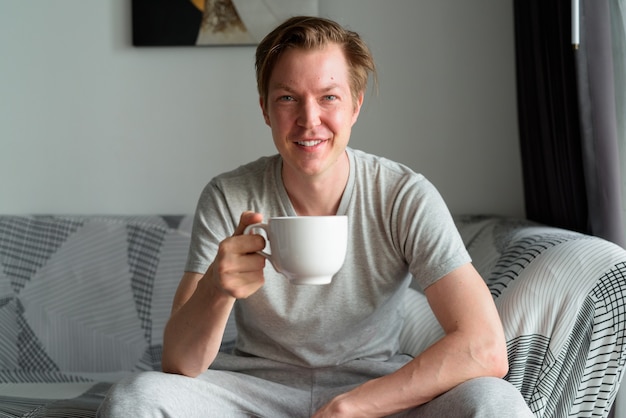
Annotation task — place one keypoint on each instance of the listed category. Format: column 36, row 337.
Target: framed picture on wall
column 211, row 22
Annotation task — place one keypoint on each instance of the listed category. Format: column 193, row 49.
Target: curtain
column 554, row 187
column 598, row 106
column 567, row 117
column 618, row 37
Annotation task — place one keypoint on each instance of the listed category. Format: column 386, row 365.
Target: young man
column 323, row 351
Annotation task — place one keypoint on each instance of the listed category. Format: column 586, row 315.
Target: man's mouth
column 309, row 143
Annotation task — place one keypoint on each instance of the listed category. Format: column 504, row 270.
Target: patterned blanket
column 83, row 301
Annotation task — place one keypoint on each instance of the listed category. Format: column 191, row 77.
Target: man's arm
column 474, row 346
column 203, row 302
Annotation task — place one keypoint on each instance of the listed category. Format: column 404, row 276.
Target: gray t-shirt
column 398, row 228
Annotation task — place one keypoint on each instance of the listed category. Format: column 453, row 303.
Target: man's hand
column 237, row 269
column 339, row 408
column 203, row 302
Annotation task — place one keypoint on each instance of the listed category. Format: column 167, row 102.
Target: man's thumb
column 247, row 218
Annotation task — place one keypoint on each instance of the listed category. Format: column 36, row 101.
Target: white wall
column 91, row 124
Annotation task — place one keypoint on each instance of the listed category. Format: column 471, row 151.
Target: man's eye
column 330, row 97
column 286, row 98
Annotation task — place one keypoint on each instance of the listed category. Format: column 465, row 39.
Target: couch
column 84, row 299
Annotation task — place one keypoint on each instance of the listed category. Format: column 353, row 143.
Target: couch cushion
column 84, row 295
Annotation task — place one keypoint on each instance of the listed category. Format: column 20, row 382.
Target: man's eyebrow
column 330, row 87
column 281, row 86
column 286, row 87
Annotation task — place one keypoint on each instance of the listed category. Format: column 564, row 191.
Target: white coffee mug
column 305, row 249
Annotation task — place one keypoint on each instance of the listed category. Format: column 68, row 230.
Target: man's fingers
column 247, row 218
column 237, row 268
column 240, row 245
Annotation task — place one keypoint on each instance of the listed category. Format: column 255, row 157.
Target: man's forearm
column 440, row 368
column 194, row 332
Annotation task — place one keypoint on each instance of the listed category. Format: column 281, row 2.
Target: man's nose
column 309, row 114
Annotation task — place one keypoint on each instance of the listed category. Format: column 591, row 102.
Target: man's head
column 307, row 33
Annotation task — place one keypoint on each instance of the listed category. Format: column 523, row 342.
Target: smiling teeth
column 309, row 143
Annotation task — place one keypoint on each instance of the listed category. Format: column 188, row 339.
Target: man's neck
column 321, row 195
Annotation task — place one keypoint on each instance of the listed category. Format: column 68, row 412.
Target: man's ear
column 357, row 107
column 264, row 110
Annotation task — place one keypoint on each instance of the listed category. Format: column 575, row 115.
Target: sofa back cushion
column 87, row 294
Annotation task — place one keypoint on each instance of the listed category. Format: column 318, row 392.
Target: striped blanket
column 84, row 299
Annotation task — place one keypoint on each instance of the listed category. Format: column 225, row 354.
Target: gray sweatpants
column 253, row 387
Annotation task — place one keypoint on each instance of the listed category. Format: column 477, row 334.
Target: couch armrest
column 560, row 295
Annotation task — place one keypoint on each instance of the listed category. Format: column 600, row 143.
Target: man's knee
column 136, row 395
column 489, row 397
column 479, row 398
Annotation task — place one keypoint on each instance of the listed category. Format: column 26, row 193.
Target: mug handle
column 250, row 229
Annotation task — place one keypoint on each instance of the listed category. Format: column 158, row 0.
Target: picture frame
column 211, row 22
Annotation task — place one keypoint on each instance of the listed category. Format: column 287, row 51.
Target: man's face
column 310, row 110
